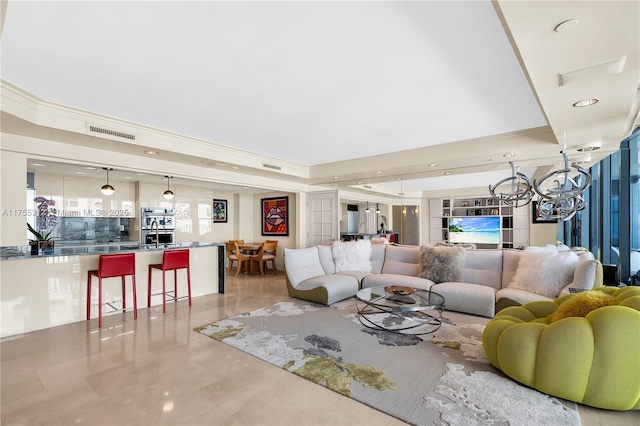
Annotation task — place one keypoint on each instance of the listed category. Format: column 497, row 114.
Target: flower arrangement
column 47, row 218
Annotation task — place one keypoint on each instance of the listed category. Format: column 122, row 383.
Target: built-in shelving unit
column 511, row 224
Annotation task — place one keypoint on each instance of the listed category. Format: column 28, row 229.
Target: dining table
column 250, row 248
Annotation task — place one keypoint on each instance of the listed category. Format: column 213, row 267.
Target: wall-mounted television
column 478, row 230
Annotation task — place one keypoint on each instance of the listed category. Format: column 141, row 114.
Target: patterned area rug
column 440, row 378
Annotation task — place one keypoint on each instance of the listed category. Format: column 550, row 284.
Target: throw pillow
column 581, row 304
column 544, row 272
column 352, row 256
column 442, row 264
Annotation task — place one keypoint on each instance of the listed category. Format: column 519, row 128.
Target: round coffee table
column 405, row 310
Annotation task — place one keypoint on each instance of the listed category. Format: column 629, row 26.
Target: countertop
column 24, row 252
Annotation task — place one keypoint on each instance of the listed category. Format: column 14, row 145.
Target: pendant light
column 367, row 209
column 377, row 208
column 168, row 194
column 107, row 189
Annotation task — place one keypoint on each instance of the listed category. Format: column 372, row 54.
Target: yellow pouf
column 587, row 351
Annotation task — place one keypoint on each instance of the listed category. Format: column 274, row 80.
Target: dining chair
column 242, row 259
column 231, row 254
column 264, row 256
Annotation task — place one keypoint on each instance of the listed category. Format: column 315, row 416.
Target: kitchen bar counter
column 24, row 252
column 43, row 291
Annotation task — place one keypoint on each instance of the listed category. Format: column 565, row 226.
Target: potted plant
column 47, row 218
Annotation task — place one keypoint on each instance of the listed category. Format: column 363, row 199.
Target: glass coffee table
column 400, row 309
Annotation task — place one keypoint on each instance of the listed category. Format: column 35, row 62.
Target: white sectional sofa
column 490, row 279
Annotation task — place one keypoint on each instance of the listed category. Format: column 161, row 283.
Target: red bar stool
column 172, row 260
column 110, row 266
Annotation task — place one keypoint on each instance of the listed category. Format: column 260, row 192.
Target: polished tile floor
column 156, row 370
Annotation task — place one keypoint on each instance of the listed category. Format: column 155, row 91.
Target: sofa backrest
column 302, row 264
column 511, row 257
column 377, row 257
column 483, row 267
column 326, row 259
column 402, row 260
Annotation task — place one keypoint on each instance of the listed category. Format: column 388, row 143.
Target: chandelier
column 563, row 198
column 521, row 189
column 559, row 196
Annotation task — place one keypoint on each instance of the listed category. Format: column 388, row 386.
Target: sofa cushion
column 339, row 287
column 442, row 263
column 519, row 296
column 544, row 272
column 302, row 264
column 469, row 298
column 402, row 260
column 358, row 275
column 483, row 267
column 383, row 280
column 326, row 259
column 352, row 256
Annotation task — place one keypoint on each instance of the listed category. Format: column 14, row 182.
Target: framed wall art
column 536, row 217
column 219, row 212
column 275, row 216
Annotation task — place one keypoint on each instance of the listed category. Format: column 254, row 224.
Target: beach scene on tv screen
column 478, row 230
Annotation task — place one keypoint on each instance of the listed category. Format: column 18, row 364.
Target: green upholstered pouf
column 593, row 360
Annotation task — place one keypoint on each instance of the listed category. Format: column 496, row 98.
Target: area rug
column 442, row 378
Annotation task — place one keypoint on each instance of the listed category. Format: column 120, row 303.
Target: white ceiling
column 319, row 83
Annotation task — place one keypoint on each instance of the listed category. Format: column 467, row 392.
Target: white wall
column 13, row 199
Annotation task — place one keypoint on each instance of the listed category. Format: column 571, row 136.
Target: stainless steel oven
column 157, row 220
column 164, row 237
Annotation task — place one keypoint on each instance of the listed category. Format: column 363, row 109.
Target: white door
column 323, row 218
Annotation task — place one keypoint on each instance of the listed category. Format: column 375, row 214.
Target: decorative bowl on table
column 399, row 290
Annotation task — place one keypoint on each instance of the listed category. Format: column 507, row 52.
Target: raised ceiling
column 355, row 91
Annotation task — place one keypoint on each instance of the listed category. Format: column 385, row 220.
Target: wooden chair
column 241, row 258
column 274, row 253
column 264, row 256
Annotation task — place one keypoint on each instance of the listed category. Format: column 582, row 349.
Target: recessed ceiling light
column 398, row 178
column 586, row 102
column 90, row 168
column 448, row 173
column 235, row 167
column 141, row 174
column 336, row 177
column 360, row 182
column 127, row 177
column 378, row 172
column 511, row 154
column 433, row 165
column 37, row 165
column 80, row 173
column 588, row 147
column 567, row 25
column 151, row 152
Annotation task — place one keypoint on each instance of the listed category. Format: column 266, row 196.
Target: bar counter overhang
column 38, row 292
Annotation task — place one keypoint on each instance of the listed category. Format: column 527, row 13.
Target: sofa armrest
column 586, row 276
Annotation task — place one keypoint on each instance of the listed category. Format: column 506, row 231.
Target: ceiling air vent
column 111, row 132
column 271, row 166
column 367, row 186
